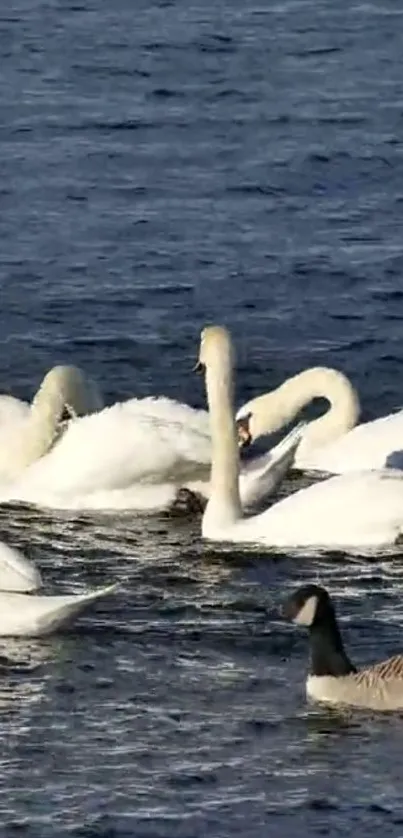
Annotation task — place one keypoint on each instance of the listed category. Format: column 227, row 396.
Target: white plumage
column 350, row 511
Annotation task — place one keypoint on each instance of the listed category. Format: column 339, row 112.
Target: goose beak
column 244, row 434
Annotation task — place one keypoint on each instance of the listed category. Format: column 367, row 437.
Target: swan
column 140, row 454
column 333, row 679
column 25, row 613
column 349, row 511
column 85, row 397
column 333, row 443
column 27, row 432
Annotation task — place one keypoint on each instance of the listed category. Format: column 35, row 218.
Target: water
column 163, row 165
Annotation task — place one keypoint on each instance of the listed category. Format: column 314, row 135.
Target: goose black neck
column 327, row 651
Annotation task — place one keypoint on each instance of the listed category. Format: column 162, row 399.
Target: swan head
column 262, row 415
column 215, row 351
column 66, row 392
column 54, row 394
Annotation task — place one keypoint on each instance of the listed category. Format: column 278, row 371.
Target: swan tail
column 17, row 573
column 55, row 612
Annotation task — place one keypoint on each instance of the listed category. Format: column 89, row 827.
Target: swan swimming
column 139, row 454
column 27, row 432
column 24, row 613
column 333, row 443
column 363, row 510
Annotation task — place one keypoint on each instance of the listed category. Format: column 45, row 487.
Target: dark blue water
column 163, row 165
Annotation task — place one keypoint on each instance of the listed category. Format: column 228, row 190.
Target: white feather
column 136, row 455
column 25, row 613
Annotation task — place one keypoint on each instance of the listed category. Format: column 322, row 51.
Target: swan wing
column 372, row 445
column 147, row 441
column 263, row 475
column 12, row 410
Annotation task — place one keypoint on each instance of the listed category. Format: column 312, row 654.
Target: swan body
column 136, row 455
column 29, row 431
column 372, row 445
column 26, row 613
column 350, row 511
column 333, row 679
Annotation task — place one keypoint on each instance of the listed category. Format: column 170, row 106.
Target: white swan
column 361, row 510
column 27, row 432
column 12, row 410
column 330, row 443
column 84, row 396
column 137, row 454
column 25, row 613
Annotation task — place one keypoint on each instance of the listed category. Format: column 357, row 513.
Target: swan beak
column 199, row 367
column 244, row 434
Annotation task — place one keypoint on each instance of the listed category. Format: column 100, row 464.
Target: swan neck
column 276, row 409
column 224, row 489
column 40, row 433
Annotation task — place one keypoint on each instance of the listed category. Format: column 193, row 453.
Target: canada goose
column 333, row 678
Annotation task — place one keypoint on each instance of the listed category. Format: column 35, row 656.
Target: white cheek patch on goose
column 306, row 614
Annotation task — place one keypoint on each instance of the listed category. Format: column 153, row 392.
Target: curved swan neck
column 224, row 502
column 39, row 434
column 274, row 410
column 64, row 388
column 29, row 440
column 42, row 424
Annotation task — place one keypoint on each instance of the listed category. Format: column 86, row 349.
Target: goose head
column 308, row 606
column 312, row 607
